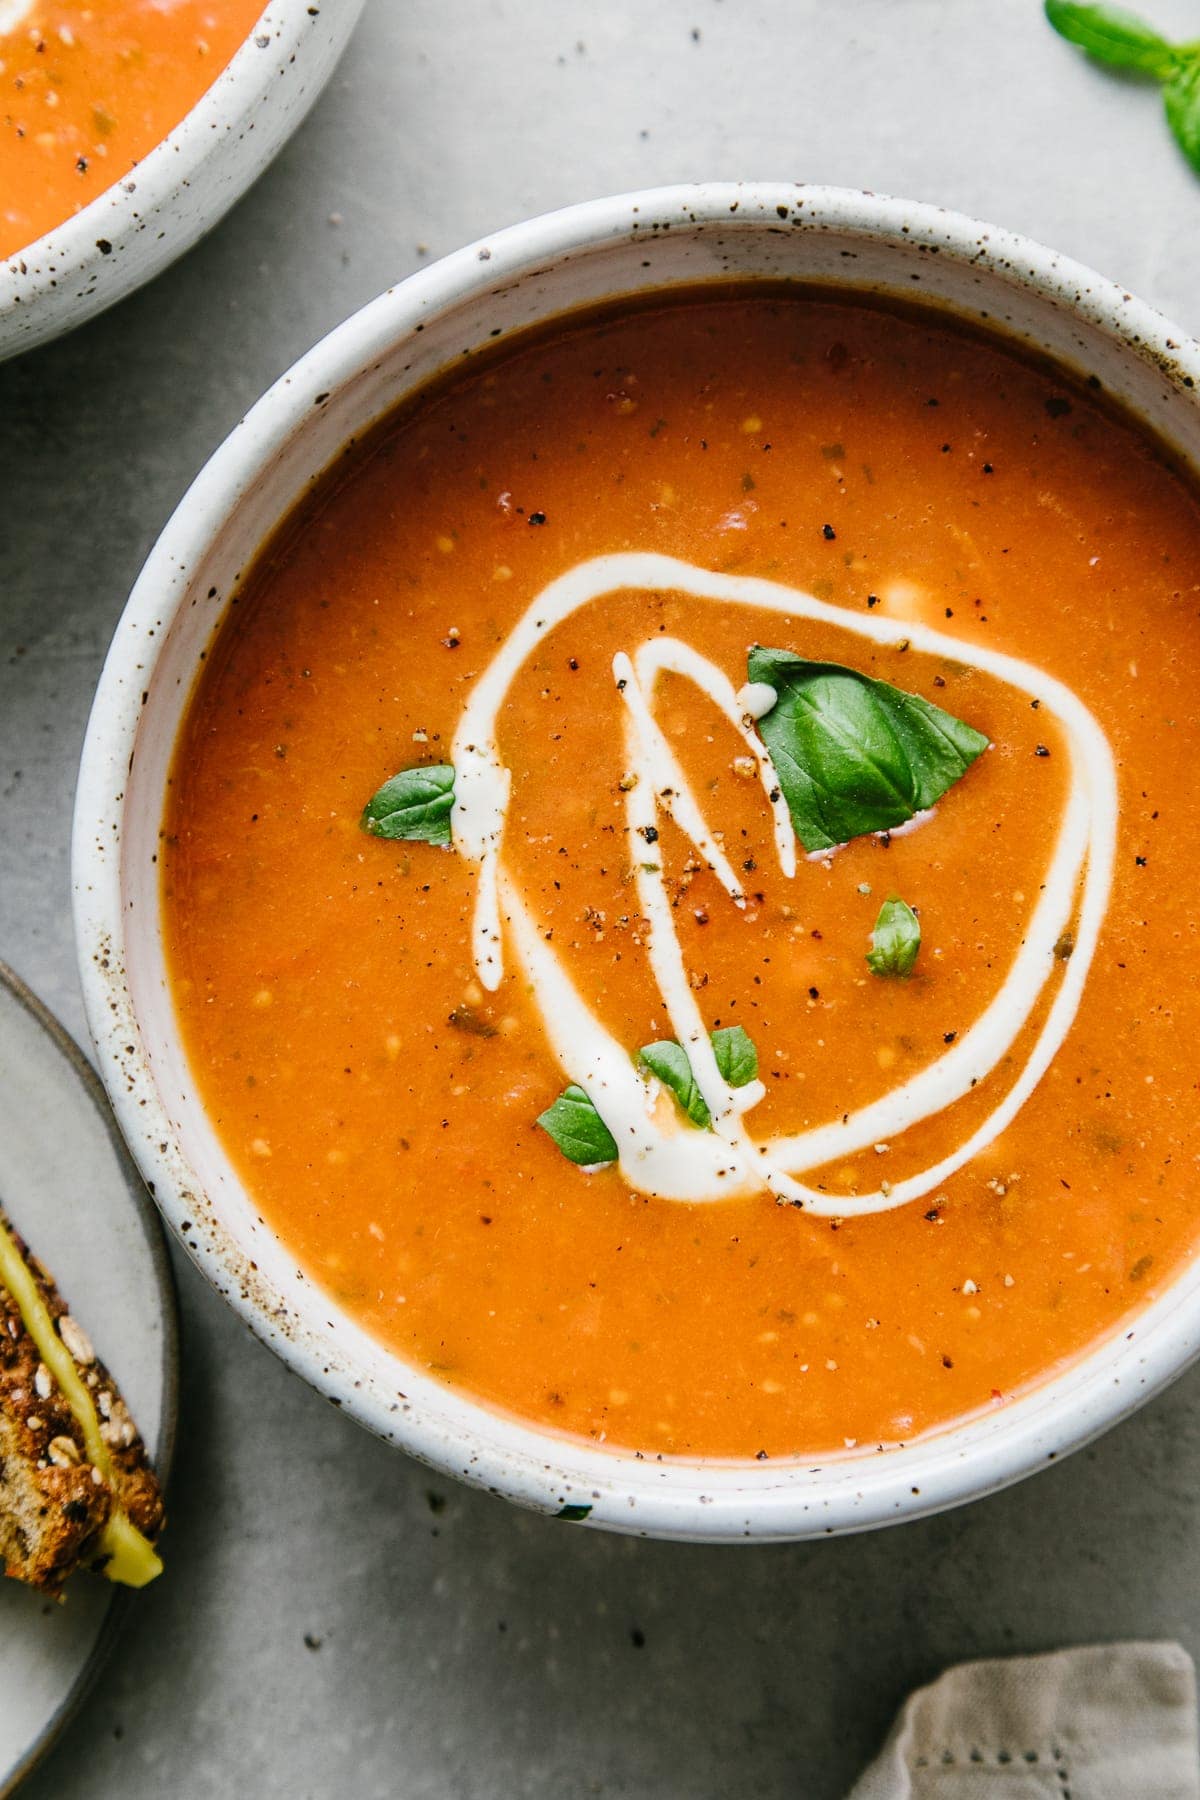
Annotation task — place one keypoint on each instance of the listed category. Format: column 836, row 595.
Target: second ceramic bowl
column 132, row 230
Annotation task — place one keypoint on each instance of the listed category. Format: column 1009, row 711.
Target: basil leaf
column 1181, row 97
column 895, row 939
column 736, row 1056
column 414, row 804
column 577, row 1128
column 1112, row 36
column 855, row 755
column 737, row 1060
column 669, row 1061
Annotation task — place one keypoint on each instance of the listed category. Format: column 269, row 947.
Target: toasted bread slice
column 76, row 1488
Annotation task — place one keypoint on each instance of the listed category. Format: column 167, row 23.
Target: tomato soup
column 677, row 876
column 87, row 87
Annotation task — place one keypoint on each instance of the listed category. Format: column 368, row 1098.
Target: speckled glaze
column 432, row 322
column 186, row 183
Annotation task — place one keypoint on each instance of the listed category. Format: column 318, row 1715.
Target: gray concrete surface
column 334, row 1621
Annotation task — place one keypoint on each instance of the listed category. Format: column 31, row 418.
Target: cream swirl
column 658, row 1154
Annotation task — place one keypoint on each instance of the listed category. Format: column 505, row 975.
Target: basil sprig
column 415, row 804
column 737, row 1061
column 895, row 940
column 577, row 1128
column 1112, row 36
column 854, row 755
column 1120, row 40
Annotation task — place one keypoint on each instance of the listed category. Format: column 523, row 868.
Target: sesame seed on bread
column 54, row 1500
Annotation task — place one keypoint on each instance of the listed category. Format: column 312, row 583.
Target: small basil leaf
column 414, row 804
column 736, row 1056
column 737, row 1061
column 577, row 1128
column 895, row 939
column 854, row 755
column 1112, row 36
column 1181, row 97
column 669, row 1061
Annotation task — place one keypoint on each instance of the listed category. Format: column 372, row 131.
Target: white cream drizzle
column 14, row 13
column 658, row 1153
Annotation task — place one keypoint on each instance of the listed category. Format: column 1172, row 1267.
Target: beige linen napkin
column 1105, row 1722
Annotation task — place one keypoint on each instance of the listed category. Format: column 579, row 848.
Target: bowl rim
column 34, row 277
column 688, row 1498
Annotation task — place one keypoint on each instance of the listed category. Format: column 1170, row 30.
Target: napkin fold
column 1103, row 1722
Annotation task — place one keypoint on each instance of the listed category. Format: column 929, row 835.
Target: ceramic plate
column 71, row 1190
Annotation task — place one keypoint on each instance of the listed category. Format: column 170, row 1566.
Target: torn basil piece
column 737, row 1061
column 577, row 1129
column 895, row 940
column 854, row 755
column 414, row 804
column 669, row 1061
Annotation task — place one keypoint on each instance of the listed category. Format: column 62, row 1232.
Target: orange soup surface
column 87, row 87
column 899, row 1217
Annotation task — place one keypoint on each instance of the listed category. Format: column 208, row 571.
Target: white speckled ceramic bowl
column 532, row 272
column 184, row 185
